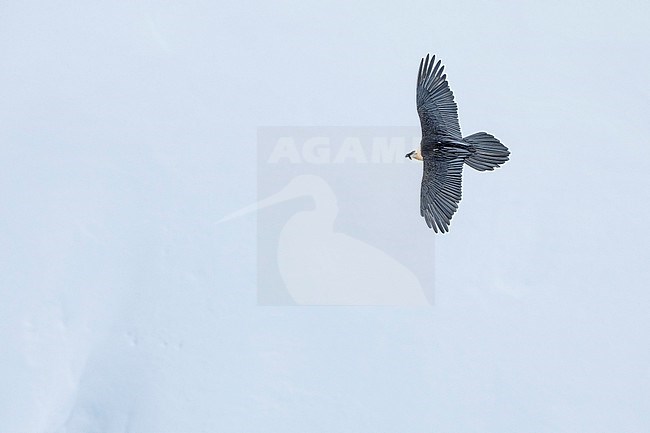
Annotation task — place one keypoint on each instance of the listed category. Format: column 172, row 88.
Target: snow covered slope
column 128, row 129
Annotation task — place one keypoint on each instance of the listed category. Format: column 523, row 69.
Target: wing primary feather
column 435, row 70
column 430, row 66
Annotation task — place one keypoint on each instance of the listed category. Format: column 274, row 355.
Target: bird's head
column 414, row 155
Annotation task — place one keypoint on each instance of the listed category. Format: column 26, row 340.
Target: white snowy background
column 127, row 129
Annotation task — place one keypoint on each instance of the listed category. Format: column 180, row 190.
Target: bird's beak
column 408, row 155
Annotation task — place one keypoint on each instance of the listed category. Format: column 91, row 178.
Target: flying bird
column 444, row 150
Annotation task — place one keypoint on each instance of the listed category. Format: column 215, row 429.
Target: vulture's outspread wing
column 441, row 185
column 435, row 102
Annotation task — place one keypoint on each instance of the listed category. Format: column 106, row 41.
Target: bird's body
column 443, row 149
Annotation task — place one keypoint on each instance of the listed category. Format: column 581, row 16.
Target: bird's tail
column 487, row 151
